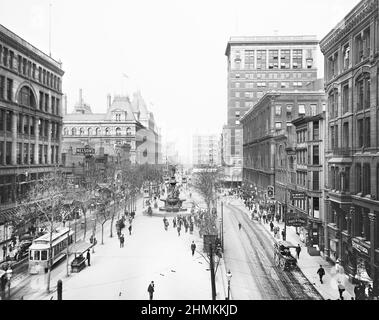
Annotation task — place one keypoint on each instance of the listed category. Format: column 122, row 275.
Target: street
column 249, row 255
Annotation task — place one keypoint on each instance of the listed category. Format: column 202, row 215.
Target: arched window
column 363, row 84
column 73, row 131
column 118, row 132
column 128, row 131
column 81, row 131
column 65, row 131
column 89, row 131
column 97, row 132
column 26, row 97
column 107, row 131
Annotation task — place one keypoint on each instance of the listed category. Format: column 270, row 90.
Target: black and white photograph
column 189, row 150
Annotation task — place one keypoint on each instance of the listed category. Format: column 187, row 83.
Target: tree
column 103, row 213
column 45, row 198
column 205, row 183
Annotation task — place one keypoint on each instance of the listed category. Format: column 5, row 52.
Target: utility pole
column 222, row 226
column 211, row 265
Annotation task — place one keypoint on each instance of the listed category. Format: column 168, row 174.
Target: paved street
column 250, row 257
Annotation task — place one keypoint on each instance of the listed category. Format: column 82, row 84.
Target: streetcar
column 40, row 248
column 283, row 257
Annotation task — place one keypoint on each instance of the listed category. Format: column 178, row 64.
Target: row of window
column 96, row 131
column 340, row 61
column 28, row 69
column 273, row 75
column 26, row 125
column 25, row 153
column 273, row 59
column 6, row 88
column 282, row 85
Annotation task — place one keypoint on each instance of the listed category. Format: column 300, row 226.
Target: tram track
column 289, row 285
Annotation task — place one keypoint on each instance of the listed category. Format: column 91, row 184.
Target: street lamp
column 9, row 273
column 229, row 277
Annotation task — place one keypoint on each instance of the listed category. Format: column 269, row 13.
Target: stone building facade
column 30, row 120
column 351, row 53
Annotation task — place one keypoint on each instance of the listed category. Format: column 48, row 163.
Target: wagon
column 283, row 257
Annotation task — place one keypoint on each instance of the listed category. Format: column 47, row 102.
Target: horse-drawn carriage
column 283, row 257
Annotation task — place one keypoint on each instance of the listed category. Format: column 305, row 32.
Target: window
column 45, row 153
column 5, row 57
column 237, row 114
column 261, row 59
column 297, row 59
column 52, row 105
column 358, row 178
column 8, row 121
column 285, row 59
column 97, row 131
column 345, row 135
column 278, row 125
column 316, row 180
column 81, row 131
column 278, row 110
column 40, row 153
column 73, row 131
column 2, row 86
column 31, row 127
column 367, row 140
column 301, row 109
column 249, row 59
column 2, row 117
column 18, row 152
column 316, row 155
column 237, row 104
column 9, row 89
column 333, row 103
column 366, row 179
column 118, row 132
column 316, row 130
column 284, row 85
column 362, row 45
column 237, row 85
column 8, row 152
column 46, row 102
column 273, row 59
column 107, row 131
column 26, row 97
column 345, row 98
column 32, row 153
column 363, row 91
column 346, row 56
column 360, row 133
column 332, row 65
column 128, row 131
column 19, row 123
column 313, row 109
column 26, row 152
column 237, row 94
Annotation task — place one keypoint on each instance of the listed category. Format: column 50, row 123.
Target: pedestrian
column 298, row 250
column 174, row 222
column 271, row 226
column 150, row 289
column 321, row 272
column 193, row 247
column 283, row 235
column 178, row 228
column 341, row 289
column 239, row 225
column 88, row 258
column 122, row 239
column 130, row 229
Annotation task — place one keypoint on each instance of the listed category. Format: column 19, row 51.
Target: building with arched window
column 30, row 120
column 351, row 67
column 127, row 122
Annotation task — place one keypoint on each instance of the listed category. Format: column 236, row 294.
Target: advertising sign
column 298, row 196
column 86, row 150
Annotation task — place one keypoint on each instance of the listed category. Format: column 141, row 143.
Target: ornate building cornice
column 360, row 13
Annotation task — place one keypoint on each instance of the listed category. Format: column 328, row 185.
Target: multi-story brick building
column 30, row 120
column 271, row 157
column 352, row 145
column 257, row 65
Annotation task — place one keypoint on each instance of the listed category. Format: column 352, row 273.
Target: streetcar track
column 294, row 282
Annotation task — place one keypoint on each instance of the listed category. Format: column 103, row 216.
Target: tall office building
column 205, row 150
column 257, row 65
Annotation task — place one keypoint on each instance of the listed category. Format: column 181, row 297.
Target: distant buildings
column 30, row 121
column 205, row 150
column 170, row 153
column 257, row 65
column 351, row 53
column 126, row 131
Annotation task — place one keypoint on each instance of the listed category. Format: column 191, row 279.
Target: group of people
column 121, row 224
column 181, row 221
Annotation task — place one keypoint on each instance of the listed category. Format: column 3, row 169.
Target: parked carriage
column 283, row 257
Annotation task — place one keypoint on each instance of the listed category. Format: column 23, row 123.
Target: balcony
column 344, row 152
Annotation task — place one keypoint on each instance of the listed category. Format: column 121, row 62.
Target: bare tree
column 45, row 198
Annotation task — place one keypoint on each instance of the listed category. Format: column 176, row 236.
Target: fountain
column 172, row 203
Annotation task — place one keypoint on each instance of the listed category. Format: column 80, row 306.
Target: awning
column 80, row 247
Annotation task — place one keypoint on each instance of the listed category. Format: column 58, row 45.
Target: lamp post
column 229, row 277
column 9, row 273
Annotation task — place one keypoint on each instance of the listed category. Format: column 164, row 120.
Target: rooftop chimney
column 80, row 97
column 108, row 101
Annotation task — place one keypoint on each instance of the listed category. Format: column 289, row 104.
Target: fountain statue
column 172, row 203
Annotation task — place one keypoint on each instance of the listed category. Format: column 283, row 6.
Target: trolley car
column 40, row 248
column 283, row 257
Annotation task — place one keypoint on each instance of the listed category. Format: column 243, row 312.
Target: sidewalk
column 309, row 264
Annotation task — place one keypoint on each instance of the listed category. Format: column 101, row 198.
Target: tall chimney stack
column 108, row 101
column 80, row 97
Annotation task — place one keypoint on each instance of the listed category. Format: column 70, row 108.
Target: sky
column 173, row 51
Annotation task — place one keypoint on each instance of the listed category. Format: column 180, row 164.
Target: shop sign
column 86, row 150
column 296, row 222
column 359, row 247
column 298, row 196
